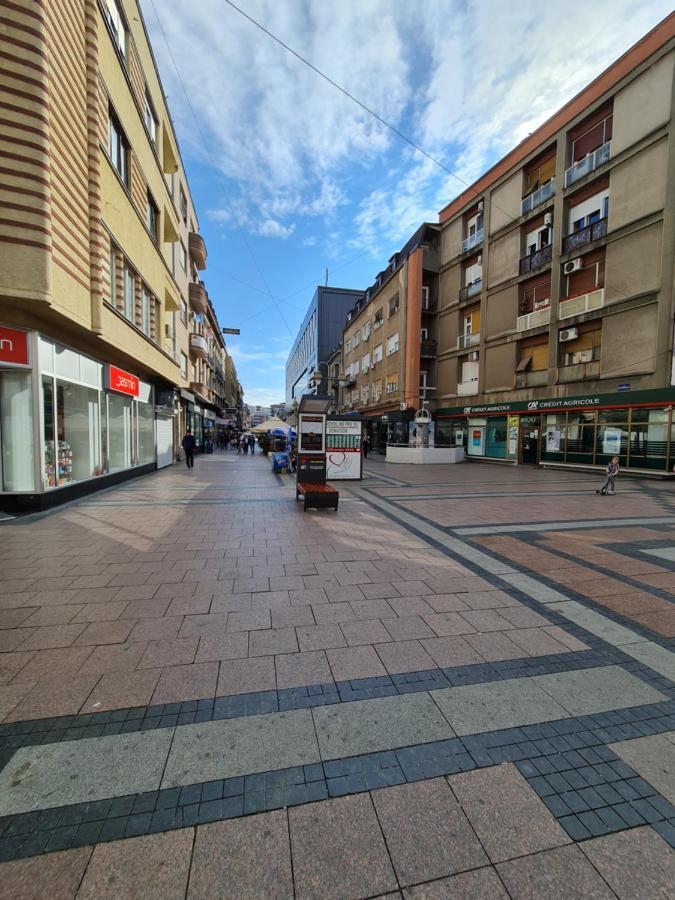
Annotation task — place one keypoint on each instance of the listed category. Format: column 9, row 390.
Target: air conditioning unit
column 568, row 334
column 480, row 206
column 168, row 330
column 473, row 356
column 572, row 266
column 548, row 218
column 479, row 259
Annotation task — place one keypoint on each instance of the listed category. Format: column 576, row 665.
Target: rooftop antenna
column 326, row 277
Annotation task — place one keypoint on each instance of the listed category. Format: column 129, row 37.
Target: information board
column 311, row 434
column 343, row 449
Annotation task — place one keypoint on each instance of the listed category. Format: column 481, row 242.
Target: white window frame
column 150, row 116
column 129, row 281
column 145, row 310
column 392, row 344
column 117, row 25
column 356, row 339
column 377, row 354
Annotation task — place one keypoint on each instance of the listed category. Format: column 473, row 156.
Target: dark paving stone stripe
column 567, row 762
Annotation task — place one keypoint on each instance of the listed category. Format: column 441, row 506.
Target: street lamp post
column 331, row 380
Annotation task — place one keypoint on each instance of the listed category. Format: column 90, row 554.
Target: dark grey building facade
column 319, row 335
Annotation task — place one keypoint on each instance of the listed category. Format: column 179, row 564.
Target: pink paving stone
column 49, row 699
column 177, row 652
column 49, row 636
column 105, row 633
column 193, row 682
column 250, row 856
column 189, row 606
column 156, row 629
column 412, row 588
column 137, row 593
column 12, row 694
column 488, row 600
column 535, row 642
column 249, row 620
column 272, row 641
column 572, row 643
column 152, row 608
column 53, row 664
column 301, row 669
column 451, row 651
column 340, row 594
column 152, row 866
column 404, row 656
column 332, row 612
column 12, row 663
column 636, row 863
column 479, row 884
column 230, row 603
column 379, row 590
column 407, row 628
column 410, row 606
column 242, row 676
column 198, row 625
column 450, row 623
column 292, row 616
column 113, row 658
column 559, row 874
column 494, row 646
column 122, row 690
column 355, row 662
column 371, row 609
column 11, row 618
column 53, row 615
column 320, row 637
column 485, row 620
column 370, row 631
column 99, row 612
column 270, row 600
column 446, row 603
column 522, row 617
column 222, row 646
column 306, row 597
column 53, row 875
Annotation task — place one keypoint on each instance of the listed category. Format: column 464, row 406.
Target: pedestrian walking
column 244, row 441
column 251, row 443
column 188, row 444
column 612, row 472
column 365, row 446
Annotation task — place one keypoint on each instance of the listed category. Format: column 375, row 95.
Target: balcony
column 534, row 319
column 472, row 241
column 577, row 306
column 536, row 198
column 198, row 298
column 579, row 372
column 532, row 379
column 468, row 340
column 467, row 388
column 536, row 260
column 588, row 164
column 199, row 346
column 428, row 347
column 592, row 232
column 198, row 387
column 197, row 250
column 470, row 290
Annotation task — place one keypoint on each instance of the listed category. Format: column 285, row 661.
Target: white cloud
column 256, row 353
column 272, row 228
column 263, row 396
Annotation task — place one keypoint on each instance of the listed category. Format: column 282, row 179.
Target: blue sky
column 290, row 177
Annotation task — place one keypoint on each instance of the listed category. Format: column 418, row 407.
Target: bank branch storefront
column 69, row 424
column 636, row 426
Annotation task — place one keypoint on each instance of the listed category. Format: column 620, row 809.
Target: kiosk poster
column 611, row 441
column 311, row 434
column 343, row 449
column 553, row 441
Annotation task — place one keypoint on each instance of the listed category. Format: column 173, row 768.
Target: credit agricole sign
column 660, row 397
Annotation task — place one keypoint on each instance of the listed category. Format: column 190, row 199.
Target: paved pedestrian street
column 461, row 684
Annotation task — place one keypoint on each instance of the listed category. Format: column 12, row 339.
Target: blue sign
column 623, row 387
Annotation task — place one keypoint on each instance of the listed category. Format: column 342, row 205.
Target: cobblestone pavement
column 460, row 685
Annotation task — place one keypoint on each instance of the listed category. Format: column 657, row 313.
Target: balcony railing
column 466, row 388
column 532, row 379
column 198, row 299
column 199, row 345
column 533, row 319
column 468, row 340
column 592, row 232
column 470, row 290
column 579, row 372
column 588, row 164
column 584, row 303
column 198, row 387
column 428, row 347
column 536, row 260
column 536, row 198
column 197, row 249
column 472, row 241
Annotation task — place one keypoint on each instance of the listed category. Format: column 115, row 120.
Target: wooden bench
column 318, row 496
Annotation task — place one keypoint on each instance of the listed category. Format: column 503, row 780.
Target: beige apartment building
column 556, row 282
column 99, row 253
column 390, row 340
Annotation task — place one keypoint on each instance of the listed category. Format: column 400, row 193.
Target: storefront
column 68, row 423
column 636, row 426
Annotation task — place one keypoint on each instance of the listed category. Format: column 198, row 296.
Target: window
column 392, row 384
column 118, row 147
column 357, row 339
column 539, row 173
column 588, row 211
column 129, row 295
column 365, row 362
column 393, row 305
column 392, row 344
column 377, row 354
column 150, row 118
column 365, row 331
column 377, row 391
column 156, row 321
column 183, row 204
column 145, row 310
column 183, row 312
column 116, row 24
column 183, row 257
column 151, row 216
column 535, row 295
column 538, row 239
column 379, row 318
column 348, row 345
column 355, row 367
column 113, row 277
column 423, row 385
column 424, row 334
column 365, row 391
column 585, row 348
column 183, row 365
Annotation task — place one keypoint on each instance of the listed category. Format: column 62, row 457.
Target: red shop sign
column 122, row 382
column 13, row 346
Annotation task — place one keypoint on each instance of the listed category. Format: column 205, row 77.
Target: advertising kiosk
column 311, row 468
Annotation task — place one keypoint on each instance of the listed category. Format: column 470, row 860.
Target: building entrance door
column 529, row 439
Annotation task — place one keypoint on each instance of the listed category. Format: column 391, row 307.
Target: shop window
column 648, row 438
column 554, row 438
column 612, row 435
column 16, row 432
column 118, row 147
column 580, row 437
column 72, row 432
column 146, row 432
column 120, row 432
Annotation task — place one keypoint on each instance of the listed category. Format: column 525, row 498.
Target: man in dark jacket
column 188, row 443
